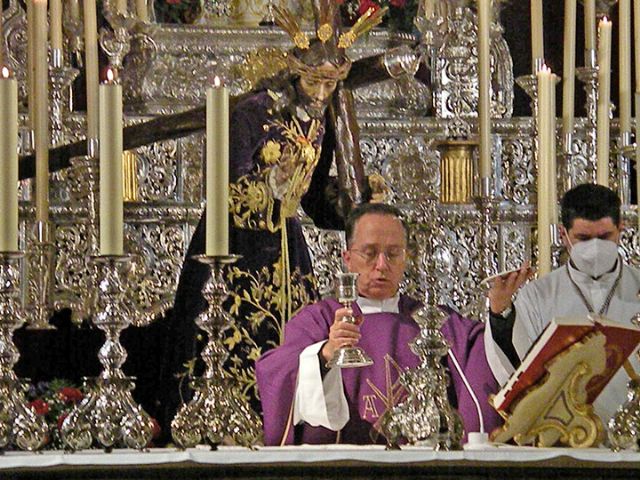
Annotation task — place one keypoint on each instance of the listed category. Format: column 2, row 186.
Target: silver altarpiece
column 406, row 130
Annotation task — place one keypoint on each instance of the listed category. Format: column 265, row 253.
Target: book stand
column 555, row 410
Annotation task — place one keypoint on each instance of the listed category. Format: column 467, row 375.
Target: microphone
column 473, row 438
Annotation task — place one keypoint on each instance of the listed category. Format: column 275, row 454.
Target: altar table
column 324, row 462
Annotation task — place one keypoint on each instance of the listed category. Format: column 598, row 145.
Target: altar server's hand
column 341, row 334
column 503, row 288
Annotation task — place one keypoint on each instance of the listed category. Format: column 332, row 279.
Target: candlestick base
column 216, row 412
column 108, row 414
column 19, row 424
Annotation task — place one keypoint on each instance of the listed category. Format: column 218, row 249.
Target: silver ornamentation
column 40, row 261
column 426, row 418
column 116, row 42
column 19, row 424
column 215, row 10
column 624, row 426
column 108, row 414
column 216, row 412
column 60, row 77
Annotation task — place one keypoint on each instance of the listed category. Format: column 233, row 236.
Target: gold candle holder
column 456, row 171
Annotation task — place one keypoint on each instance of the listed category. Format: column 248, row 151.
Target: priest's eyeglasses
column 393, row 255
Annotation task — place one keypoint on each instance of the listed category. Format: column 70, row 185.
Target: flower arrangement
column 54, row 401
column 399, row 18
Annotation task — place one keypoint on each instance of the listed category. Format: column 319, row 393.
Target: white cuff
column 319, row 402
column 500, row 365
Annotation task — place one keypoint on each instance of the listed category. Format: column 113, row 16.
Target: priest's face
column 316, row 91
column 378, row 253
column 582, row 230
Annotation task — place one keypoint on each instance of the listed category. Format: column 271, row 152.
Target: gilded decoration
column 555, row 411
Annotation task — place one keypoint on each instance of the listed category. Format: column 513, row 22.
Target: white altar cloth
column 314, row 454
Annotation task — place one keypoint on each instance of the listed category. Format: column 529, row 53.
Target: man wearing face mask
column 593, row 281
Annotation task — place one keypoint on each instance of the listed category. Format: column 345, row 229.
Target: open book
column 561, row 333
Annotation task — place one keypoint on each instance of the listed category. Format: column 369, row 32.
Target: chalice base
column 350, row 357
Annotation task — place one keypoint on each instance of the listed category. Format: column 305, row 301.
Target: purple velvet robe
column 370, row 391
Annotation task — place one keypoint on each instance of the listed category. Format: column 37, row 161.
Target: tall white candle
column 603, row 107
column 217, row 178
column 537, row 29
column 41, row 110
column 55, row 17
column 551, row 152
column 142, row 10
column 484, row 82
column 545, row 87
column 589, row 24
column 30, row 63
column 91, row 66
column 121, row 6
column 111, row 199
column 74, row 9
column 569, row 67
column 624, row 64
column 9, row 162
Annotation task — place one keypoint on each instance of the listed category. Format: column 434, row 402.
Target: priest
column 304, row 401
column 595, row 280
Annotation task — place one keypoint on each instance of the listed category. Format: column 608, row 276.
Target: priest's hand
column 341, row 333
column 504, row 287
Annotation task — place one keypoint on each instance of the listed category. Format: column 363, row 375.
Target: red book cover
column 560, row 334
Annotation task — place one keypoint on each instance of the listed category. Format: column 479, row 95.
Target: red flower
column 174, row 2
column 39, row 406
column 61, row 419
column 397, row 3
column 156, row 429
column 70, row 395
column 366, row 5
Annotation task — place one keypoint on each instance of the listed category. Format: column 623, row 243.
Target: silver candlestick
column 216, row 412
column 426, row 418
column 354, row 356
column 486, row 203
column 108, row 413
column 19, row 424
column 588, row 75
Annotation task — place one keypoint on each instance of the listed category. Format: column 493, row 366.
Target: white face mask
column 594, row 257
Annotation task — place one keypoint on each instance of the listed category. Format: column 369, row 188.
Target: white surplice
column 554, row 295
